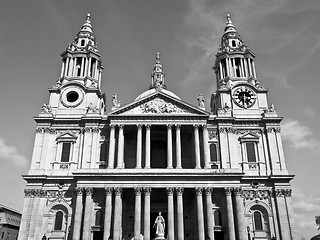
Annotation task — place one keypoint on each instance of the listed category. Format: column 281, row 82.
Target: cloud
column 305, row 209
column 299, row 136
column 10, row 153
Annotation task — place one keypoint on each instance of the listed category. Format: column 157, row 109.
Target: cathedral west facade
column 215, row 173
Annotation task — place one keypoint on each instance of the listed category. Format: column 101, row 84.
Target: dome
column 153, row 90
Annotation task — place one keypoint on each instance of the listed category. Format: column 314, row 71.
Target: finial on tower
column 158, row 57
column 229, row 25
column 157, row 76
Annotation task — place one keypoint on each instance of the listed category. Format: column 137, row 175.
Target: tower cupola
column 81, row 61
column 157, row 76
column 234, row 60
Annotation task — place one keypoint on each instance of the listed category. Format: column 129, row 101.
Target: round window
column 72, row 96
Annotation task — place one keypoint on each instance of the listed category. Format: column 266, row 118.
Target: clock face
column 244, row 97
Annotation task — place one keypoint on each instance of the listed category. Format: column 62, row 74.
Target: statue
column 200, row 99
column 160, row 225
column 46, row 108
column 115, row 102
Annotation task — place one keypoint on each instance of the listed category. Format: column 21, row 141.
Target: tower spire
column 157, row 76
column 229, row 25
column 81, row 61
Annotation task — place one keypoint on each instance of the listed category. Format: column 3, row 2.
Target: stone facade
column 9, row 223
column 213, row 175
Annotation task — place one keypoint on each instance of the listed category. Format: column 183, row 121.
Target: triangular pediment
column 159, row 103
column 67, row 137
column 249, row 136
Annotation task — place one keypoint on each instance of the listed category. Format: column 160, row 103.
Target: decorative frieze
column 256, row 194
column 238, row 130
column 273, row 129
column 283, row 192
column 158, row 106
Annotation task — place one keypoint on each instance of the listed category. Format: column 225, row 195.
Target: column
column 62, row 67
column 120, row 147
column 254, row 70
column 209, row 213
column 107, row 214
column 71, row 61
column 234, row 67
column 169, row 146
column 220, row 68
column 117, row 214
column 139, row 145
column 147, row 193
column 82, row 67
column 249, row 67
column 178, row 146
column 87, row 220
column 242, row 68
column 78, row 214
column 137, row 213
column 147, row 165
column 206, row 146
column 111, row 146
column 89, row 67
column 200, row 213
column 240, row 214
column 33, row 220
column 85, row 73
column 24, row 219
column 228, row 67
column 246, row 66
column 197, row 145
column 170, row 214
column 66, row 66
column 231, row 231
column 179, row 192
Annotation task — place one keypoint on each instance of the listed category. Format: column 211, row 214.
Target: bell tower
column 78, row 90
column 239, row 91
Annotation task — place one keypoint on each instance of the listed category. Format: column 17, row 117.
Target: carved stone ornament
column 228, row 191
column 273, row 129
column 108, row 190
column 283, row 192
column 199, row 191
column 179, row 191
column 118, row 191
column 212, row 133
column 208, row 191
column 170, row 190
column 46, row 108
column 147, row 191
column 238, row 191
column 137, row 191
column 89, row 191
column 79, row 190
column 256, row 194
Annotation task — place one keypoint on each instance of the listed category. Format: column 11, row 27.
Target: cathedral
column 158, row 167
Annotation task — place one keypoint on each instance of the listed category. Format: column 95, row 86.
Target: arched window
column 257, row 217
column 58, row 221
column 233, row 43
column 217, row 218
column 82, row 42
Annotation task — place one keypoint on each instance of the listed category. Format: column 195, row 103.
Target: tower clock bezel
column 244, row 97
column 72, row 97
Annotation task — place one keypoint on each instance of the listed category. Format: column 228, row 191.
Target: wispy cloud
column 299, row 136
column 10, row 153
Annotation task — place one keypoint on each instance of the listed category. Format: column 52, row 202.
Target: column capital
column 139, row 126
column 179, row 191
column 228, row 191
column 169, row 126
column 199, row 191
column 108, row 190
column 238, row 191
column 120, row 126
column 79, row 191
column 118, row 191
column 204, row 126
column 196, row 126
column 178, row 126
column 147, row 191
column 112, row 126
column 137, row 191
column 89, row 191
column 148, row 126
column 208, row 191
column 170, row 190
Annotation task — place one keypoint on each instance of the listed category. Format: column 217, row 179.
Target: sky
column 284, row 34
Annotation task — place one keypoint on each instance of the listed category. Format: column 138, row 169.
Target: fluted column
column 180, row 226
column 107, row 214
column 240, row 214
column 147, row 165
column 231, row 231
column 197, row 146
column 78, row 214
column 139, row 145
column 206, row 146
column 170, row 214
column 209, row 213
column 120, row 147
column 147, row 193
column 111, row 146
column 200, row 213
column 117, row 214
column 178, row 146
column 87, row 214
column 169, row 145
column 137, row 213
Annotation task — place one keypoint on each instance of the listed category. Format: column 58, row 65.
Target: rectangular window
column 213, row 152
column 251, row 154
column 65, row 155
